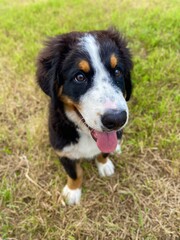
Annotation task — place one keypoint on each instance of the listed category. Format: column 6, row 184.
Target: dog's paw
column 105, row 169
column 71, row 196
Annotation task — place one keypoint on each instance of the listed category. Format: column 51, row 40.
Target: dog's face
column 90, row 74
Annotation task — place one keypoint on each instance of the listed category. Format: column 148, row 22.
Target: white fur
column 89, row 44
column 94, row 101
column 71, row 196
column 105, row 169
column 118, row 148
column 86, row 147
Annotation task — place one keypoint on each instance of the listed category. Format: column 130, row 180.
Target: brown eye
column 117, row 73
column 80, row 78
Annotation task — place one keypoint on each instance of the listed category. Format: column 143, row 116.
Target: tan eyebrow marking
column 113, row 60
column 84, row 66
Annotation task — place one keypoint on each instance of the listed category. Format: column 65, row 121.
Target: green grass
column 141, row 201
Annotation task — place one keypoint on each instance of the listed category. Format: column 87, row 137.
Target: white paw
column 71, row 196
column 118, row 148
column 105, row 169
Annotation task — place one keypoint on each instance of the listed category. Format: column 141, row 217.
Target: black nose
column 114, row 119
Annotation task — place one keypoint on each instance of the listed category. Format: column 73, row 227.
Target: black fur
column 119, row 134
column 62, row 131
column 105, row 155
column 125, row 58
column 70, row 167
column 53, row 61
column 55, row 69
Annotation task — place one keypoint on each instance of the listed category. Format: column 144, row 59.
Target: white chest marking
column 85, row 148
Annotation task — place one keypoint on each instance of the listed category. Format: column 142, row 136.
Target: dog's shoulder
column 62, row 131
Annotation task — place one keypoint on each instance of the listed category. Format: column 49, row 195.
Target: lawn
column 142, row 199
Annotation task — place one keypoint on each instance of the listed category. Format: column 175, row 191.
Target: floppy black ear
column 47, row 64
column 50, row 60
column 126, row 58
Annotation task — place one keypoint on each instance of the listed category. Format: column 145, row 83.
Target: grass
column 142, row 200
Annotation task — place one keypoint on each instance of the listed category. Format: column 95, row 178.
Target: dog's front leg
column 72, row 190
column 104, row 165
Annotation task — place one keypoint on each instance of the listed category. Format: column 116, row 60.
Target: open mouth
column 106, row 141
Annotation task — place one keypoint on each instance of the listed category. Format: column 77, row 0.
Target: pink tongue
column 106, row 142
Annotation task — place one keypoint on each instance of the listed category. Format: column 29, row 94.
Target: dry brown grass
column 140, row 201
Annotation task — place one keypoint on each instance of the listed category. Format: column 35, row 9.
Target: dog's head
column 89, row 73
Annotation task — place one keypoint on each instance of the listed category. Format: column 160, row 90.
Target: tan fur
column 60, row 91
column 69, row 103
column 113, row 61
column 84, row 66
column 101, row 159
column 74, row 184
column 60, row 153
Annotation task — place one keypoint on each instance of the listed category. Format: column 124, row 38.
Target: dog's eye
column 80, row 77
column 117, row 73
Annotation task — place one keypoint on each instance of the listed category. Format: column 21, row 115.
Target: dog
column 87, row 76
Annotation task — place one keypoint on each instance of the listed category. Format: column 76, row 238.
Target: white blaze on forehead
column 91, row 45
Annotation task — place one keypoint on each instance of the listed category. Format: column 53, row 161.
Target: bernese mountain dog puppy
column 87, row 77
